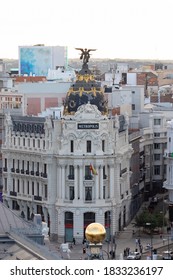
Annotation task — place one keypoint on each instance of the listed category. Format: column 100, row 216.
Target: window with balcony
column 88, row 146
column 32, row 168
column 27, row 168
column 13, row 168
column 38, row 169
column 45, row 170
column 23, row 166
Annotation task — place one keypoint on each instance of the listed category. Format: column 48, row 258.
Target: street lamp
column 151, row 247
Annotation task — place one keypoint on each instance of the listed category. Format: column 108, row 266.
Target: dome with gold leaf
column 85, row 89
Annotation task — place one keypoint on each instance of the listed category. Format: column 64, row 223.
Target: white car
column 168, row 255
column 134, row 256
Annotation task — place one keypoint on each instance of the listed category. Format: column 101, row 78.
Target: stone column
column 111, row 180
column 76, row 182
column 101, row 182
column 97, row 185
column 63, row 182
column 81, row 182
column 59, row 181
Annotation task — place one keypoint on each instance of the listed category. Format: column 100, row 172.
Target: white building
column 72, row 171
column 168, row 184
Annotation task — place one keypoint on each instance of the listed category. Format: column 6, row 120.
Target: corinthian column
column 75, row 182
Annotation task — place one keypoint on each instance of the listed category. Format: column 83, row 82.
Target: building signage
column 88, row 126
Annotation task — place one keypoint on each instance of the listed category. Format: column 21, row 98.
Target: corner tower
column 85, row 90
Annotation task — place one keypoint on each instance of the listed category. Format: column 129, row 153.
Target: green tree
column 152, row 219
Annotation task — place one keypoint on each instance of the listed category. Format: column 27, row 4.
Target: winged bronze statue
column 85, row 54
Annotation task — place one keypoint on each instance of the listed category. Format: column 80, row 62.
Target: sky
column 133, row 29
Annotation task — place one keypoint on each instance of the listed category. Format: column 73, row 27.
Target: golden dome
column 95, row 232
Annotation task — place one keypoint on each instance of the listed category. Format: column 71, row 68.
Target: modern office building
column 38, row 59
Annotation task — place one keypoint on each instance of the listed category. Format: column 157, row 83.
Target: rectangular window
column 18, row 186
column 71, row 172
column 43, row 144
column 88, row 193
column 28, row 187
column 71, row 192
column 45, row 191
column 156, row 134
column 156, row 146
column 103, row 145
column 88, row 175
column 72, row 146
column 157, row 121
column 32, row 188
column 104, row 192
column 13, row 185
column 37, row 189
column 156, row 169
column 45, row 168
column 23, row 187
column 38, row 143
column 5, row 182
column 88, row 148
column 24, row 142
column 156, row 156
column 133, row 106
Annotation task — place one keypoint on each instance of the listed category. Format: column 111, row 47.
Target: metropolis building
column 74, row 170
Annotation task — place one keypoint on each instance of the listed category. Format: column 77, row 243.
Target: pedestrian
column 68, row 254
column 125, row 253
column 74, row 241
column 136, row 240
column 141, row 248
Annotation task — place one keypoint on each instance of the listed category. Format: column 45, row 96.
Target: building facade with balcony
column 74, row 170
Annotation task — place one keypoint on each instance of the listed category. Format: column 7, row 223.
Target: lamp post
column 151, row 247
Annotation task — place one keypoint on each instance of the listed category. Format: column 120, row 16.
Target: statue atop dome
column 85, row 54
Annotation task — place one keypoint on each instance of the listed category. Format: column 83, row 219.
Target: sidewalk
column 124, row 240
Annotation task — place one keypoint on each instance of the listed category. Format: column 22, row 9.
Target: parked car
column 134, row 256
column 167, row 255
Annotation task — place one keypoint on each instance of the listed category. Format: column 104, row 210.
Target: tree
column 154, row 219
